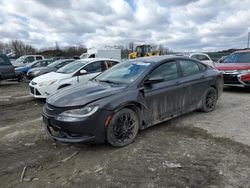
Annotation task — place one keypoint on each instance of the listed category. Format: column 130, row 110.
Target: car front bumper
column 237, row 80
column 90, row 129
column 41, row 92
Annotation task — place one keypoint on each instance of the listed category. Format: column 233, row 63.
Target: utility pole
column 248, row 39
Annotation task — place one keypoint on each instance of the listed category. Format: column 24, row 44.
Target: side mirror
column 153, row 80
column 83, row 72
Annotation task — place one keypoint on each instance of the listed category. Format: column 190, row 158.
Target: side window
column 44, row 63
column 168, row 71
column 112, row 63
column 189, row 67
column 94, row 67
column 202, row 67
column 202, row 58
column 36, row 64
column 195, row 57
column 29, row 59
column 39, row 58
column 2, row 60
column 92, row 56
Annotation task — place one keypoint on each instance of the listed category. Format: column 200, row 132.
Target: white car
column 203, row 58
column 77, row 72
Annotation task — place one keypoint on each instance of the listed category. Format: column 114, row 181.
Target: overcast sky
column 181, row 25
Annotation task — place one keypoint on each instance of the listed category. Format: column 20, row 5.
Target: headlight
column 46, row 83
column 244, row 71
column 72, row 115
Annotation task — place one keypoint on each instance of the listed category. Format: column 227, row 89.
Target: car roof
column 242, row 51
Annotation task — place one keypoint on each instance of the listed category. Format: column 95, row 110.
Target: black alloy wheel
column 123, row 128
column 210, row 100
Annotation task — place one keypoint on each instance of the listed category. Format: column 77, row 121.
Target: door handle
column 177, row 82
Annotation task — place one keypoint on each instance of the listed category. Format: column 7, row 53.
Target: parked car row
column 76, row 72
column 104, row 100
column 21, row 72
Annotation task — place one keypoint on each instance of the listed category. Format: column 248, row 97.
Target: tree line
column 18, row 48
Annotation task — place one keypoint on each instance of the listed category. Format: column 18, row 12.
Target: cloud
column 181, row 25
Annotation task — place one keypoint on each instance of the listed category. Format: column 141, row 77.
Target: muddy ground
column 195, row 150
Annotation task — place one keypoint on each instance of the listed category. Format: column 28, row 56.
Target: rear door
column 163, row 99
column 196, row 82
column 6, row 69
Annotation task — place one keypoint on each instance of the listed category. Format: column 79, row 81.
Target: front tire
column 209, row 100
column 123, row 128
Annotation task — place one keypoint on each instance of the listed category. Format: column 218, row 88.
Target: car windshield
column 71, row 67
column 243, row 57
column 123, row 73
column 55, row 63
column 85, row 55
column 20, row 59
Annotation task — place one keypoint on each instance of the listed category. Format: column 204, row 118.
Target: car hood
column 51, row 76
column 84, row 94
column 232, row 66
column 42, row 69
column 18, row 64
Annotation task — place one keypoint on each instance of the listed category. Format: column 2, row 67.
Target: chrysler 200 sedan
column 129, row 97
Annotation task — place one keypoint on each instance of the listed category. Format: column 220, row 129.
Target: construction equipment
column 144, row 50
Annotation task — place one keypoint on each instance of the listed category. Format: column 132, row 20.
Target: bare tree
column 21, row 49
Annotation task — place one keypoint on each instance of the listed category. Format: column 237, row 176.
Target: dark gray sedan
column 129, row 97
column 34, row 72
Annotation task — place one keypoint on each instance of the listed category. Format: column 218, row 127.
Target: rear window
column 4, row 61
column 243, row 57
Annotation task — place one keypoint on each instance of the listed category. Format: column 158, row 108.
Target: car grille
column 34, row 91
column 231, row 79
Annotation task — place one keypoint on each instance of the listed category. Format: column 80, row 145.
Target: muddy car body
column 143, row 92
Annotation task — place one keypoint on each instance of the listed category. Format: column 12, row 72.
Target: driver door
column 163, row 99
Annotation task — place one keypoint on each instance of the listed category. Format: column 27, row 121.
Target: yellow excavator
column 144, row 50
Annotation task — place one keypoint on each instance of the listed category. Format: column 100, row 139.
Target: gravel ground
column 195, row 150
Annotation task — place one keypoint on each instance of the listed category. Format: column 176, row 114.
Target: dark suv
column 7, row 70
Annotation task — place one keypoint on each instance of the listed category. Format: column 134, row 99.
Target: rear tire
column 209, row 100
column 123, row 128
